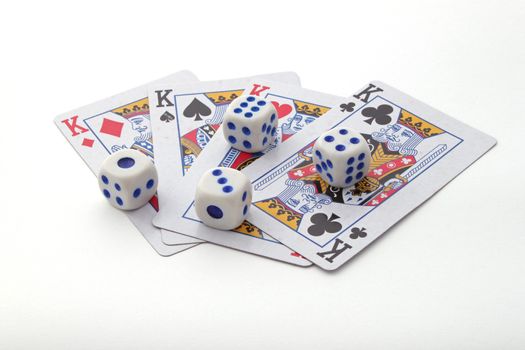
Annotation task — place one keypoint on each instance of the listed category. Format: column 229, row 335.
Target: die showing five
column 223, row 197
column 341, row 157
column 128, row 179
column 250, row 124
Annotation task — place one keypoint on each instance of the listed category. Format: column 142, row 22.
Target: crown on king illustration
column 310, row 108
column 418, row 125
column 134, row 109
column 281, row 212
column 223, row 97
column 250, row 229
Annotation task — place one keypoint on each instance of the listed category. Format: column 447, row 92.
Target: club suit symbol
column 321, row 224
column 167, row 117
column 196, row 109
column 358, row 233
column 347, row 107
column 380, row 114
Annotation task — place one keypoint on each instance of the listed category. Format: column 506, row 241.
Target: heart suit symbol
column 282, row 109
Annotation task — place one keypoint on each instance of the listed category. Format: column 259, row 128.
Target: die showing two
column 128, row 178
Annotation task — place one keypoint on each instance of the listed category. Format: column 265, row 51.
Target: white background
column 74, row 273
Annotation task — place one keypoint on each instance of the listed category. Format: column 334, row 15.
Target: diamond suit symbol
column 111, row 127
column 88, row 142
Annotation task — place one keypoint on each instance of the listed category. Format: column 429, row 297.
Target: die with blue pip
column 341, row 157
column 223, row 198
column 128, row 179
column 250, row 124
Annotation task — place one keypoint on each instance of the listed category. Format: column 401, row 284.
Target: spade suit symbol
column 196, row 109
column 167, row 117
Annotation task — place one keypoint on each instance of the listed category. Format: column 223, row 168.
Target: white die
column 128, row 179
column 250, row 124
column 223, row 197
column 341, row 156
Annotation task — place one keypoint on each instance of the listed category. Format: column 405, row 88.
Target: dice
column 128, row 179
column 223, row 197
column 250, row 124
column 341, row 157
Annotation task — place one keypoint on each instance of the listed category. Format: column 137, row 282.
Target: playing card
column 185, row 118
column 296, row 108
column 121, row 121
column 415, row 151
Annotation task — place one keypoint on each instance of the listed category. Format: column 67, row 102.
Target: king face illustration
column 302, row 197
column 305, row 114
column 406, row 134
column 137, row 114
column 296, row 124
column 140, row 123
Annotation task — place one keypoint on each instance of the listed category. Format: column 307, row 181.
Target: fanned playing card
column 416, row 150
column 185, row 118
column 121, row 121
column 296, row 108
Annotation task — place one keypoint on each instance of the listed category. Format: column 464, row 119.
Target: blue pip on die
column 250, row 124
column 223, row 198
column 128, row 179
column 341, row 157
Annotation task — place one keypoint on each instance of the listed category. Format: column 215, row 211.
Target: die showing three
column 250, row 124
column 128, row 179
column 223, row 198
